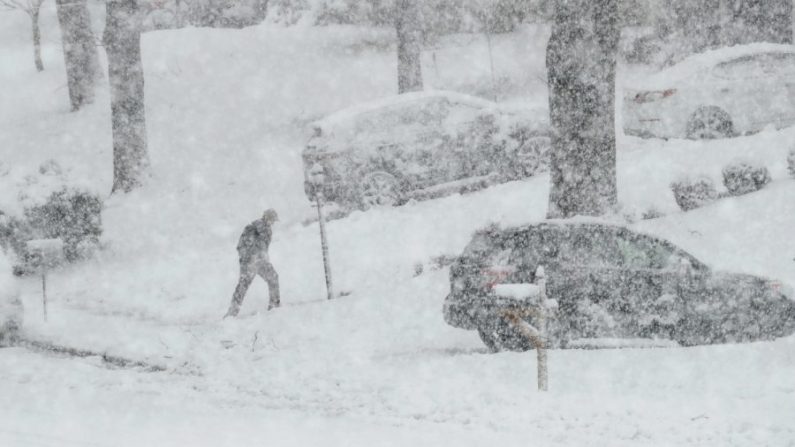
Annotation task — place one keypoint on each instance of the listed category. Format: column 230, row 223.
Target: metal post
column 324, row 245
column 44, row 292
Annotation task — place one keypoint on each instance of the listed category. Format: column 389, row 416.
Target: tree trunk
column 409, row 35
column 34, row 17
column 80, row 51
column 122, row 40
column 763, row 21
column 581, row 67
column 260, row 10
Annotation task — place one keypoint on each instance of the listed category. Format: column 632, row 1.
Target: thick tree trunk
column 125, row 73
column 409, row 35
column 581, row 66
column 80, row 51
column 34, row 17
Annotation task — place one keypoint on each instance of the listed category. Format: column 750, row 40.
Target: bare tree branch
column 30, row 7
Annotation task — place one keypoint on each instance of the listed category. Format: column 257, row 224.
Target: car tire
column 379, row 189
column 489, row 338
column 709, row 123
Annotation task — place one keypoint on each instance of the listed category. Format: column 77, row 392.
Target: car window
column 746, row 67
column 497, row 248
column 639, row 252
column 459, row 115
column 757, row 66
column 406, row 121
column 780, row 64
column 593, row 247
column 480, row 246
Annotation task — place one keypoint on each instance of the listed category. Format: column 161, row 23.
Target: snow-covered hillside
column 226, row 111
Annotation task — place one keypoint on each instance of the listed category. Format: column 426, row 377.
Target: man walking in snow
column 253, row 251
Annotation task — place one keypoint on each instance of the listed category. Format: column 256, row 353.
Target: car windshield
column 589, row 246
column 756, row 66
column 640, row 253
column 643, row 252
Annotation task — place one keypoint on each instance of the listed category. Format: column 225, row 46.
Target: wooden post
column 537, row 335
column 324, row 245
column 541, row 349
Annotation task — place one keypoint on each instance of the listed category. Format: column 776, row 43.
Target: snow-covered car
column 413, row 145
column 610, row 283
column 10, row 305
column 720, row 93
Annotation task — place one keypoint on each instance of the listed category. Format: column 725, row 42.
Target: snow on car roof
column 688, row 67
column 345, row 116
column 615, row 222
column 610, row 221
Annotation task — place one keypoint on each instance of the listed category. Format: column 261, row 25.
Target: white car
column 721, row 93
column 10, row 305
column 415, row 145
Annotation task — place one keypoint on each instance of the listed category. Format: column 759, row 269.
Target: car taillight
column 644, row 97
column 496, row 274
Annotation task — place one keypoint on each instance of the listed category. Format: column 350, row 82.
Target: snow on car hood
column 341, row 119
column 334, row 131
column 692, row 65
column 741, row 284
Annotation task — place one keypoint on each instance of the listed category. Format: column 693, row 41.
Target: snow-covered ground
column 225, row 115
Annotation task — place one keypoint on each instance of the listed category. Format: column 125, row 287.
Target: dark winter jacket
column 254, row 241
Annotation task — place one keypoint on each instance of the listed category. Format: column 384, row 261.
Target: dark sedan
column 611, row 283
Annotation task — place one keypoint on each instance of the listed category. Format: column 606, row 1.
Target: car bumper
column 462, row 315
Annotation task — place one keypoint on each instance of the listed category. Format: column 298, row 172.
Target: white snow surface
column 226, row 111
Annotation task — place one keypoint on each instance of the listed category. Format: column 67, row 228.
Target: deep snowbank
column 225, row 114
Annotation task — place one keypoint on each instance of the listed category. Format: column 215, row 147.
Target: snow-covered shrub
column 791, row 163
column 742, row 177
column 288, row 12
column 14, row 232
column 217, row 13
column 652, row 213
column 692, row 193
column 71, row 215
column 10, row 306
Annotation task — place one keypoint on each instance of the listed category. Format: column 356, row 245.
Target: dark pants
column 248, row 270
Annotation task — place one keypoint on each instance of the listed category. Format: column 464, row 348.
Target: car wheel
column 489, row 338
column 709, row 123
column 501, row 336
column 379, row 189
